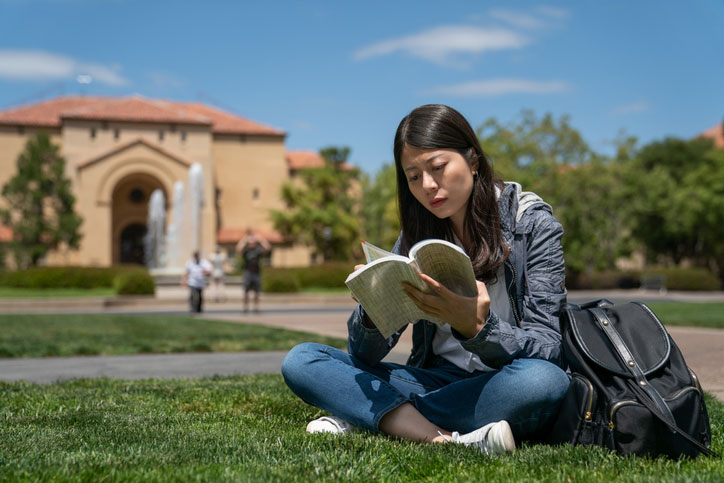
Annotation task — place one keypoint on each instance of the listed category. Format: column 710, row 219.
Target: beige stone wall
column 249, row 173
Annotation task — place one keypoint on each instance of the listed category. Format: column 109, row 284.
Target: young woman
column 491, row 374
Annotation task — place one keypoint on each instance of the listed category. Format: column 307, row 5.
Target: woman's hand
column 466, row 314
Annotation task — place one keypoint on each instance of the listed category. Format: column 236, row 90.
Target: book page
column 448, row 264
column 378, row 288
column 373, row 253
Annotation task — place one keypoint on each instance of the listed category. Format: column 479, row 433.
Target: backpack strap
column 651, row 397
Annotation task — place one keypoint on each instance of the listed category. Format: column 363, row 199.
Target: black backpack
column 631, row 390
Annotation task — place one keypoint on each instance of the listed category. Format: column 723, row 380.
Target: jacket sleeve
column 364, row 340
column 538, row 336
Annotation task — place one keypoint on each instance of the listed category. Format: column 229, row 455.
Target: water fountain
column 167, row 251
column 154, row 240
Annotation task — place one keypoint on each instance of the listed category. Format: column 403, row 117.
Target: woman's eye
column 438, row 167
column 412, row 178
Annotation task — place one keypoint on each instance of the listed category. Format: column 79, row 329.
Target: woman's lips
column 437, row 202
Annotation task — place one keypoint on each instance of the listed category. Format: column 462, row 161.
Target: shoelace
column 482, row 444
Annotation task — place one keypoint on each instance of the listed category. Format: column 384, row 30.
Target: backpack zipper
column 589, row 407
column 619, row 404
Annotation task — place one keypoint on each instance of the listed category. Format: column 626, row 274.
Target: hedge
column 81, row 277
column 686, row 279
column 327, row 275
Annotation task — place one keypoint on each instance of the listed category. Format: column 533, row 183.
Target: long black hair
column 435, row 126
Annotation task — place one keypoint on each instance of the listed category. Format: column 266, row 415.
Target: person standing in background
column 251, row 248
column 196, row 271
column 218, row 259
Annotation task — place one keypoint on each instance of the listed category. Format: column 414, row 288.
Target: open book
column 378, row 285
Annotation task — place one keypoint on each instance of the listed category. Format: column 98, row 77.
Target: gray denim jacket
column 534, row 277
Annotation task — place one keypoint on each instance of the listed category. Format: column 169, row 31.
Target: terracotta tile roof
column 715, row 133
column 135, row 109
column 304, row 160
column 131, row 109
column 309, row 160
column 233, row 234
column 224, row 122
column 6, row 234
column 118, row 149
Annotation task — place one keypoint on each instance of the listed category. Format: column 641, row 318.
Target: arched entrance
column 132, row 248
column 130, row 215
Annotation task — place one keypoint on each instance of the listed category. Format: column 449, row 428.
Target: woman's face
column 441, row 180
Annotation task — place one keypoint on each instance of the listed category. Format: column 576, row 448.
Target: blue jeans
column 526, row 392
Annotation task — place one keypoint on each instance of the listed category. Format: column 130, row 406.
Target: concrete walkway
column 327, row 315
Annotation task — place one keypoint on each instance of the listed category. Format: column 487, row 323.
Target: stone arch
column 150, row 167
column 129, row 208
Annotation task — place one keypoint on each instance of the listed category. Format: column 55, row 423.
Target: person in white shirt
column 197, row 269
column 218, row 259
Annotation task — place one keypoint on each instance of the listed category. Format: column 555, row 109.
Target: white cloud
column 39, row 65
column 517, row 19
column 440, row 44
column 638, row 106
column 499, row 87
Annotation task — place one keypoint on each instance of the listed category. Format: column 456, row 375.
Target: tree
column 40, row 204
column 380, row 216
column 551, row 158
column 667, row 179
column 322, row 209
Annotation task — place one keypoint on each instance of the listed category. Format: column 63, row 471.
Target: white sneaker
column 329, row 424
column 493, row 438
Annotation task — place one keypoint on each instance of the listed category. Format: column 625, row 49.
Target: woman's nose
column 428, row 182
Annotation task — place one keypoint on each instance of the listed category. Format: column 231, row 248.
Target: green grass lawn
column 91, row 334
column 252, row 428
column 11, row 292
column 701, row 314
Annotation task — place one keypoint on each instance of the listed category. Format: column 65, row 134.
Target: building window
column 92, row 133
column 116, row 134
column 160, row 136
column 21, row 130
column 183, row 136
column 255, row 194
column 137, row 196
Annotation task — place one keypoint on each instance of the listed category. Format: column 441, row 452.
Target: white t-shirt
column 446, row 345
column 195, row 272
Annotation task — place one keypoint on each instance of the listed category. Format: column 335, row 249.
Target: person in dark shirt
column 252, row 248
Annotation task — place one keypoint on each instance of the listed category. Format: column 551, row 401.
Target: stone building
column 119, row 150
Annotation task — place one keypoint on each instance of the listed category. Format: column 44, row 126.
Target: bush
column 687, row 278
column 134, row 282
column 327, row 275
column 676, row 279
column 274, row 280
column 607, row 280
column 65, row 277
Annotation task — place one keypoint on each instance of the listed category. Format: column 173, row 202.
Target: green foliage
column 321, row 210
column 65, row 277
column 687, row 278
column 42, row 213
column 380, row 215
column 676, row 278
column 280, row 282
column 114, row 334
column 251, row 428
column 330, row 275
column 134, row 282
column 550, row 157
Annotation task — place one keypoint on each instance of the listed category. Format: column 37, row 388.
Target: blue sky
column 345, row 73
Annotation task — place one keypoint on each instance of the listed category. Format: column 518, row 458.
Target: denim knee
column 298, row 358
column 544, row 382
